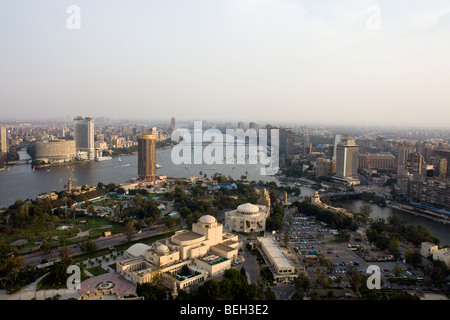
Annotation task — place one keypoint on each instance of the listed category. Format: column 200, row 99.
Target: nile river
column 21, row 182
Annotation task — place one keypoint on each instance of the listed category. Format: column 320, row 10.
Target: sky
column 313, row 61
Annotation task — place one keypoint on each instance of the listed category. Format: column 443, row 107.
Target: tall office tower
column 337, row 139
column 252, row 125
column 403, row 152
column 84, row 136
column 147, row 156
column 241, row 125
column 444, row 153
column 172, row 124
column 347, row 162
column 414, row 163
column 3, row 143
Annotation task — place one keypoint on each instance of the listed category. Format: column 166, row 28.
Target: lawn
column 97, row 271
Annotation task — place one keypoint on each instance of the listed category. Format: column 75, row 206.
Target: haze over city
column 263, row 61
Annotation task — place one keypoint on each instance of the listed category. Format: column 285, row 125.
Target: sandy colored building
column 247, row 218
column 186, row 258
column 282, row 267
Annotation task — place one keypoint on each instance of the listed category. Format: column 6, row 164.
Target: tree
column 189, row 220
column 89, row 246
column 365, row 210
column 185, row 211
column 129, row 230
column 209, row 290
column 91, row 210
column 397, row 270
column 302, row 284
column 394, row 247
column 413, row 257
column 355, row 279
column 171, row 223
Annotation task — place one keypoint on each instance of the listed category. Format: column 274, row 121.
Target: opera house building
column 186, row 258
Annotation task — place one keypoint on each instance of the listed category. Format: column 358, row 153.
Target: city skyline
column 265, row 61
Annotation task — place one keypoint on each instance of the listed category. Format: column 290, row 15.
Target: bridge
column 344, row 194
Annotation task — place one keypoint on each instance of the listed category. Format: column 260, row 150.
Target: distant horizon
column 68, row 119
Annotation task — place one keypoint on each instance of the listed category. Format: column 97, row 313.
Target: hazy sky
column 249, row 60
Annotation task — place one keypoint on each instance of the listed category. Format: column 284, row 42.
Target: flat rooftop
column 187, row 236
column 275, row 252
column 222, row 247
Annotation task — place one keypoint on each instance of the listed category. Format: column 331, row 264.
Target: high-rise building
column 252, row 125
column 347, row 162
column 337, row 139
column 403, row 152
column 414, row 163
column 84, row 136
column 172, row 124
column 147, row 156
column 3, row 140
column 241, row 125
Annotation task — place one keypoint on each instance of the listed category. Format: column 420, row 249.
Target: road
column 34, row 259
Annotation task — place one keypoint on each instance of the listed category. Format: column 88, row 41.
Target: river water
column 437, row 229
column 21, row 182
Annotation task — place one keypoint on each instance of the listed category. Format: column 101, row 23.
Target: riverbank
column 430, row 215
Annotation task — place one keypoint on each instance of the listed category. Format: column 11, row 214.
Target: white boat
column 103, row 158
column 118, row 159
column 157, row 166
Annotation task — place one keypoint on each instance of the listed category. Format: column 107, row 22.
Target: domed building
column 247, row 218
column 206, row 250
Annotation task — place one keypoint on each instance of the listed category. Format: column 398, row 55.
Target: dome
column 162, row 248
column 207, row 219
column 248, row 208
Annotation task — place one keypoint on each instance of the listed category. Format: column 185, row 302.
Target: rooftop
column 274, row 250
column 187, row 236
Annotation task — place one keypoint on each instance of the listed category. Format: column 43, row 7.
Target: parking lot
column 312, row 240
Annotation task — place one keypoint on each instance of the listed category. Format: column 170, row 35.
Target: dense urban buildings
column 147, row 156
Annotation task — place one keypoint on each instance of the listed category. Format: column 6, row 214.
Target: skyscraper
column 403, row 152
column 347, row 162
column 337, row 139
column 84, row 136
column 3, row 143
column 172, row 124
column 147, row 156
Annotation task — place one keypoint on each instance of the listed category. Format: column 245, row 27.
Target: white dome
column 207, row 219
column 137, row 249
column 248, row 208
column 162, row 248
